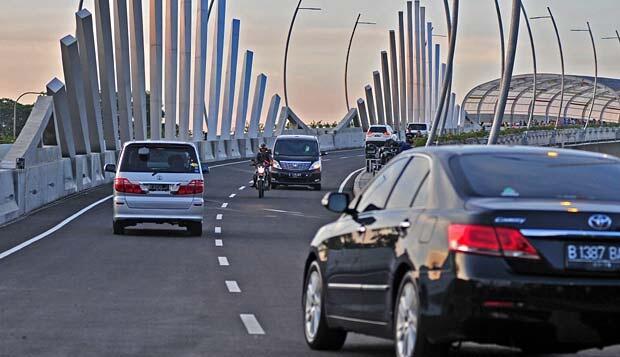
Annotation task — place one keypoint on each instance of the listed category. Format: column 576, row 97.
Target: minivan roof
column 166, row 142
column 290, row 137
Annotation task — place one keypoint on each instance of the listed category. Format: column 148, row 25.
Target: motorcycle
column 262, row 179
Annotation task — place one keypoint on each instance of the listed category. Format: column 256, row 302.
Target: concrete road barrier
column 9, row 209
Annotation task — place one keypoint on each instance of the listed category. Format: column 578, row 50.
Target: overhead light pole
column 535, row 66
column 288, row 42
column 557, row 34
column 589, row 30
column 346, row 65
column 502, row 41
column 15, row 110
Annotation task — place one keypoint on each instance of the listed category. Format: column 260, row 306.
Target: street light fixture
column 15, row 110
column 589, row 30
column 288, row 41
column 346, row 66
column 557, row 34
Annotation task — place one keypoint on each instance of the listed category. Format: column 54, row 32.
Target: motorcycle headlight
column 261, row 170
column 276, row 165
column 316, row 166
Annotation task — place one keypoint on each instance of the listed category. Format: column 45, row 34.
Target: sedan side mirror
column 111, row 168
column 336, row 202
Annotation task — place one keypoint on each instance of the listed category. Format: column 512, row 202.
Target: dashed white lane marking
column 219, row 217
column 228, row 164
column 344, row 183
column 241, row 188
column 232, row 286
column 251, row 324
column 223, row 261
column 344, row 158
column 363, row 155
column 327, row 160
column 251, row 182
column 219, row 243
column 282, row 211
column 218, row 230
column 232, row 195
column 224, row 205
column 53, row 229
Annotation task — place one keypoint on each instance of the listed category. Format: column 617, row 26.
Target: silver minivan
column 158, row 182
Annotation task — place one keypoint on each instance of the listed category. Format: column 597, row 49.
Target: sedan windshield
column 551, row 176
column 161, row 158
column 296, row 148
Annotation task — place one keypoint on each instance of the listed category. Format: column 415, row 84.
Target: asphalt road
column 82, row 291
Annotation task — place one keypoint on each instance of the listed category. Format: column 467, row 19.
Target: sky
column 30, row 31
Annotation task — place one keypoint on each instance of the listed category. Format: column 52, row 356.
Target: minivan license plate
column 159, row 188
column 593, row 257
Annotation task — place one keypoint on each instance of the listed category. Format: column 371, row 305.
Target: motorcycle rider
column 263, row 156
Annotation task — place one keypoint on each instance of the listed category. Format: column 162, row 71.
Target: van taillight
column 192, row 188
column 487, row 240
column 125, row 186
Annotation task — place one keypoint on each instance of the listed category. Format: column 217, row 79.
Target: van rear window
column 161, row 158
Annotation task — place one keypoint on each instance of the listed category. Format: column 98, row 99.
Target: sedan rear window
column 160, row 158
column 542, row 176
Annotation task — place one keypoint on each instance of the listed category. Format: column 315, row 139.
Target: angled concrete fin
column 56, row 90
column 347, row 120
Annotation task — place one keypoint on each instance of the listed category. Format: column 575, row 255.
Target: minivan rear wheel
column 194, row 229
column 119, row 228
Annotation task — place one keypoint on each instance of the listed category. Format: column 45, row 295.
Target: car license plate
column 593, row 257
column 296, row 174
column 159, row 188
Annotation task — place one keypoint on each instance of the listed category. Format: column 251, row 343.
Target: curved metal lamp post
column 563, row 85
column 501, row 34
column 346, row 65
column 15, row 110
column 589, row 30
column 535, row 65
column 453, row 27
column 507, row 75
column 288, row 42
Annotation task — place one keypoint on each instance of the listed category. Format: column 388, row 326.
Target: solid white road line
column 241, row 188
column 344, row 158
column 219, row 217
column 281, row 211
column 344, row 183
column 232, row 286
column 232, row 195
column 224, row 205
column 251, row 324
column 251, row 182
column 218, row 230
column 223, row 261
column 229, row 164
column 219, row 243
column 53, row 229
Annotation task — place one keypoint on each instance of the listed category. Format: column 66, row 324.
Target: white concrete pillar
column 105, row 52
column 437, row 65
column 403, row 71
column 387, row 88
column 430, row 102
column 457, row 116
column 185, row 65
column 138, row 82
column 244, row 95
column 231, row 80
column 423, row 87
column 90, row 77
column 394, row 82
column 418, row 60
column 370, row 100
column 172, row 63
column 62, row 117
column 200, row 69
column 451, row 111
column 257, row 105
column 410, row 63
column 75, row 93
column 363, row 114
column 156, row 23
column 272, row 115
column 217, row 61
column 123, row 72
column 379, row 97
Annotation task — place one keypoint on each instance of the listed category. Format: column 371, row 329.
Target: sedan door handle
column 405, row 224
column 361, row 229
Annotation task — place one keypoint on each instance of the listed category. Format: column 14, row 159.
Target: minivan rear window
column 554, row 175
column 160, row 158
column 300, row 147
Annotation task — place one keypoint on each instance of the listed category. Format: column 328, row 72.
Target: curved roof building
column 480, row 102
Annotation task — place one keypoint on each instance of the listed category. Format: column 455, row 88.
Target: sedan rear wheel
column 318, row 335
column 409, row 335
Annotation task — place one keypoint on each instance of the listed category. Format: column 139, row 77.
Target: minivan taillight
column 487, row 240
column 125, row 186
column 192, row 188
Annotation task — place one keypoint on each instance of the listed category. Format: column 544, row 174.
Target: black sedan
column 514, row 246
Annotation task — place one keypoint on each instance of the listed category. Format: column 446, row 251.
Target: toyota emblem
column 600, row 222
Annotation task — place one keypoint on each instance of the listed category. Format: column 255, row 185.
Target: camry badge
column 600, row 222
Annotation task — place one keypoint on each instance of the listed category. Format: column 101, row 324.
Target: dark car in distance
column 514, row 246
column 296, row 161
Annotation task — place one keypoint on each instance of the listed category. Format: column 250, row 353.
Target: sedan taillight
column 125, row 186
column 192, row 188
column 487, row 240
